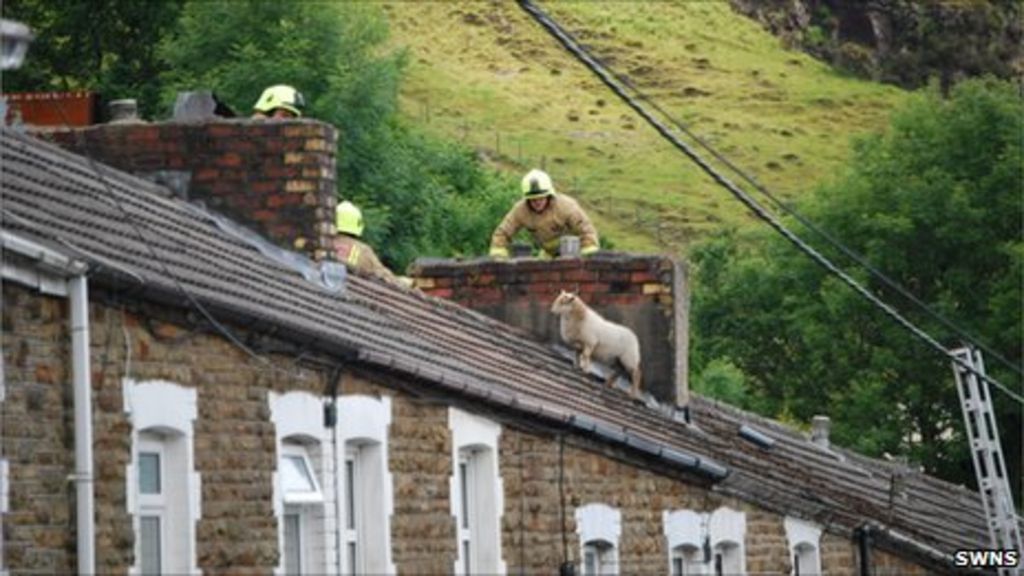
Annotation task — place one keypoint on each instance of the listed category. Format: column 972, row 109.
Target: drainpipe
column 863, row 535
column 80, row 371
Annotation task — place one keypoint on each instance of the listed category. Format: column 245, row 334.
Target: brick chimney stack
column 649, row 294
column 275, row 176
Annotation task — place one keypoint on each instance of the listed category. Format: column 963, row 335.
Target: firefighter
column 356, row 255
column 279, row 101
column 547, row 216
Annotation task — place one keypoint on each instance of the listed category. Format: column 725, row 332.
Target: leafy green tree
column 936, row 202
column 108, row 46
column 419, row 196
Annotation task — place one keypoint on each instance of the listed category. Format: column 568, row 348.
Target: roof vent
column 757, row 437
column 820, row 427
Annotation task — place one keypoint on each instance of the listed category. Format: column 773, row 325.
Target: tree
column 107, row 46
column 936, row 202
column 419, row 196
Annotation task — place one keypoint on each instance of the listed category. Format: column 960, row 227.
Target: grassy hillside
column 484, row 73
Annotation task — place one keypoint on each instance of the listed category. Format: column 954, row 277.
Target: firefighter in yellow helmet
column 279, row 101
column 356, row 255
column 547, row 216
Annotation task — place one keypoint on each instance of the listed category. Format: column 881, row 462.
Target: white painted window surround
column 804, row 546
column 599, row 527
column 162, row 415
column 303, row 508
column 477, row 493
column 684, row 532
column 366, row 484
column 724, row 530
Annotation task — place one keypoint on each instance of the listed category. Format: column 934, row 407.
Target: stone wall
column 235, row 456
column 649, row 294
column 277, row 177
column 35, row 428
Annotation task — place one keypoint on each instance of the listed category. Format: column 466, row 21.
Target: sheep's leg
column 588, row 349
column 635, row 377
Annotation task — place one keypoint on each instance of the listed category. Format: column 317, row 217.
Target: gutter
column 52, row 272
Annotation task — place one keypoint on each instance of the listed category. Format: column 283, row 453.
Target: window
column 5, row 483
column 303, row 507
column 685, row 533
column 598, row 558
column 599, row 527
column 804, row 543
column 303, row 484
column 477, row 496
column 163, row 488
column 687, row 560
column 365, row 485
column 726, row 532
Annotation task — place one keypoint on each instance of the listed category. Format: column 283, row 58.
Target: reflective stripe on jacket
column 359, row 258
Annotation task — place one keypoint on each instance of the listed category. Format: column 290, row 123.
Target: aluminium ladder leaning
column 983, row 438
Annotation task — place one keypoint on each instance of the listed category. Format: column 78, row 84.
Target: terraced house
column 183, row 393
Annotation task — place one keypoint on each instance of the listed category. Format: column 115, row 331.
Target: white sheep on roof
column 591, row 335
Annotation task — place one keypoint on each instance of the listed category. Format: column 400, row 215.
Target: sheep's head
column 565, row 303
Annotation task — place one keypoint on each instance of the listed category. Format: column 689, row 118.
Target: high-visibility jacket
column 359, row 258
column 563, row 216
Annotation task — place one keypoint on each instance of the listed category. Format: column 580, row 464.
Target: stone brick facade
column 235, row 456
column 277, row 176
column 649, row 294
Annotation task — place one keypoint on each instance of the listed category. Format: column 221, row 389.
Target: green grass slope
column 486, row 74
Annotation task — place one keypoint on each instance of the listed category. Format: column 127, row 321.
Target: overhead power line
column 615, row 85
column 836, row 243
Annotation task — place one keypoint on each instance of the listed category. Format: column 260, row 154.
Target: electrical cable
column 84, row 146
column 583, row 56
column 836, row 243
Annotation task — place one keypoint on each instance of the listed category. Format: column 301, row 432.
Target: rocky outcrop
column 903, row 42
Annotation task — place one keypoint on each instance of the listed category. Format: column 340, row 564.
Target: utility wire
column 583, row 56
column 84, row 145
column 836, row 243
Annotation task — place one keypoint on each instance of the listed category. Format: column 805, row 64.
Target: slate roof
column 135, row 234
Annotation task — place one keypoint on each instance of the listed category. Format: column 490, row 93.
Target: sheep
column 591, row 335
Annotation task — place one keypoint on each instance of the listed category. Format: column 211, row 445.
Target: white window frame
column 804, row 546
column 299, row 430
column 599, row 527
column 169, row 411
column 363, row 423
column 5, row 494
column 727, row 529
column 475, row 442
column 307, row 506
column 685, row 529
column 154, row 505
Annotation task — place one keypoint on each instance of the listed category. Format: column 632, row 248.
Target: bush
column 420, row 196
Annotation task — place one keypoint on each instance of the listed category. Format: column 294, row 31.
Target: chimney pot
column 124, row 111
column 569, row 247
column 820, row 427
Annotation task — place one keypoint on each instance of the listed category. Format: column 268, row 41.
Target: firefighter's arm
column 589, row 241
column 503, row 234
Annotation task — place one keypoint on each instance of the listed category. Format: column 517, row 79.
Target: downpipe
column 81, row 381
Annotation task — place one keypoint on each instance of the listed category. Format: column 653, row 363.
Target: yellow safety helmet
column 348, row 218
column 280, row 96
column 537, row 184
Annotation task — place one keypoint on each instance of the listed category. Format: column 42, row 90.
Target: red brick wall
column 277, row 177
column 646, row 293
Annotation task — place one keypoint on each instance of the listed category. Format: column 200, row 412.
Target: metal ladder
column 986, row 453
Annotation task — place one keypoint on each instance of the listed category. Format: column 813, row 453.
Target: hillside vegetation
column 484, row 73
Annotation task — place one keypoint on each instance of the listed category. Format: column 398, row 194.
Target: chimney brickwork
column 275, row 176
column 649, row 294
